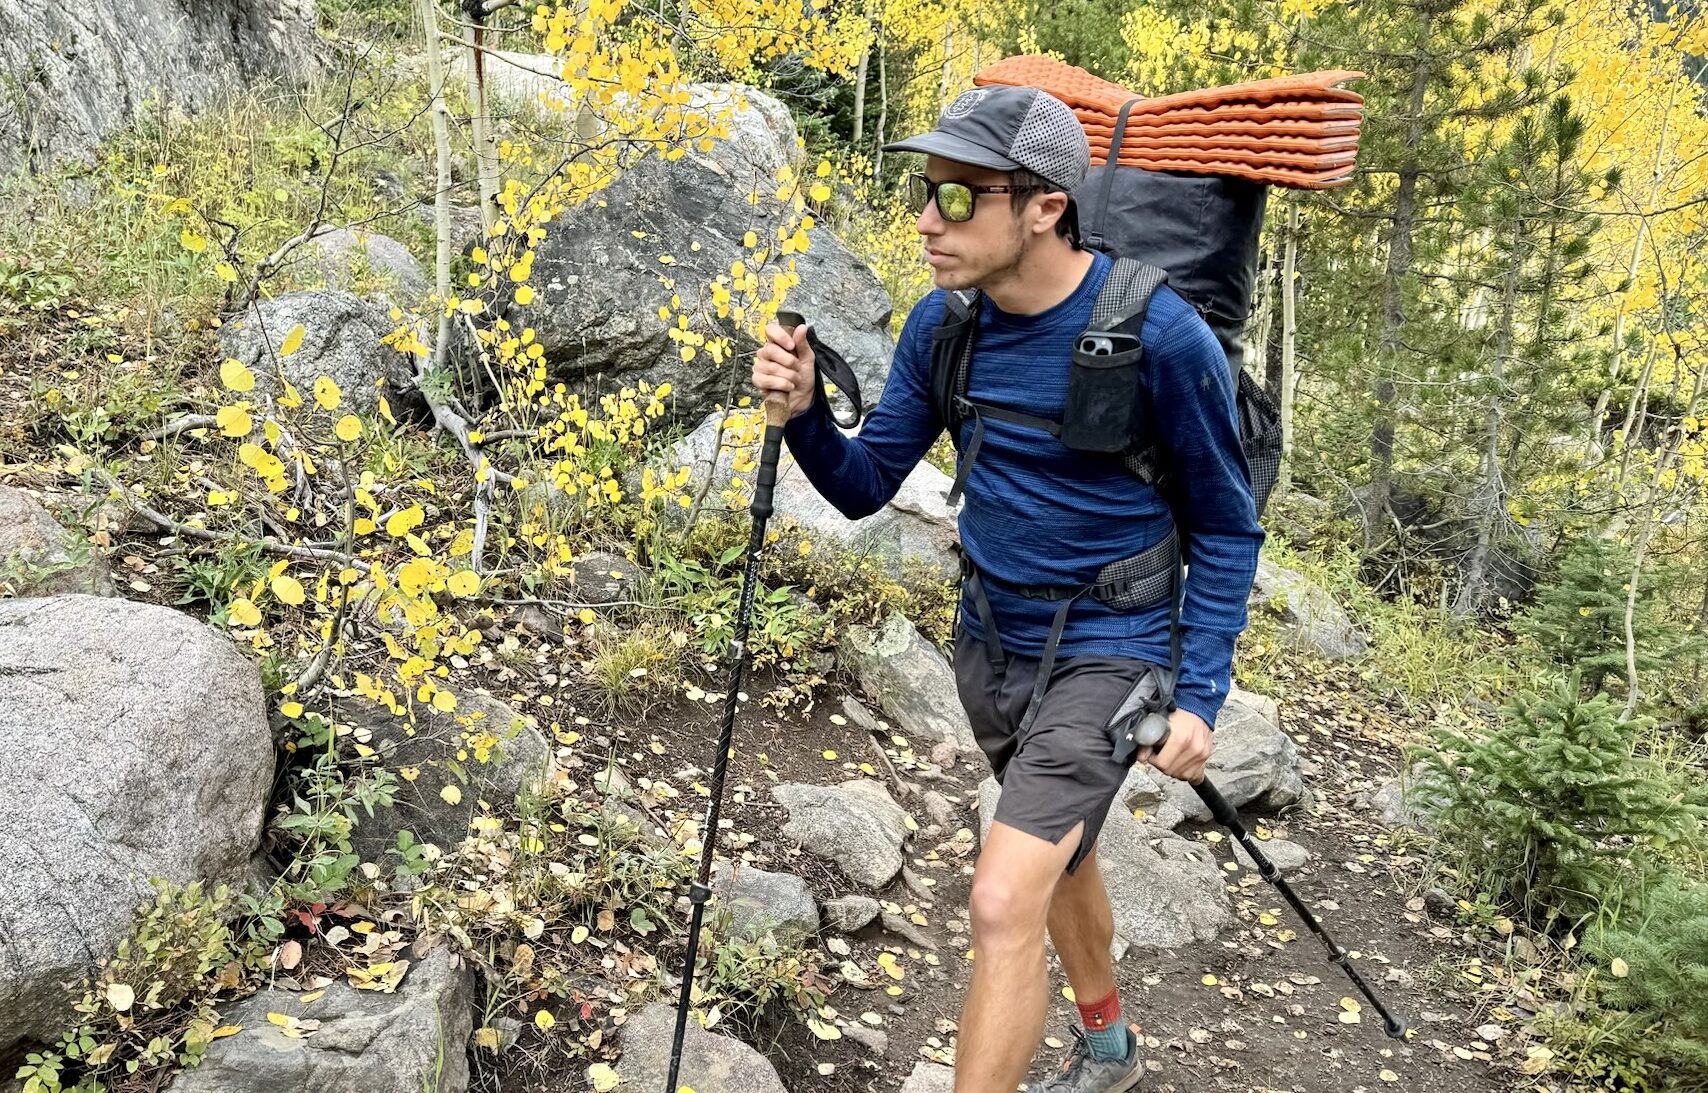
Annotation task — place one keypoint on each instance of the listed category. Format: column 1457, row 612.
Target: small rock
column 402, row 1042
column 846, row 914
column 907, row 931
column 944, row 753
column 909, row 680
column 345, row 255
column 938, row 808
column 875, row 1040
column 430, row 743
column 930, row 1078
column 38, row 557
column 1289, row 857
column 341, row 340
column 711, row 1063
column 759, row 901
column 856, row 825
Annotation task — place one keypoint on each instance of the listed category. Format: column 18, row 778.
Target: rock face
column 341, row 340
column 711, row 1063
column 759, row 901
column 598, row 273
column 346, row 256
column 1309, row 616
column 516, row 754
column 856, row 825
column 133, row 744
column 905, row 675
column 410, row 1041
column 40, row 558
column 78, row 72
column 1164, row 891
column 915, row 530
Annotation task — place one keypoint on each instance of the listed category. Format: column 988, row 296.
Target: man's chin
column 950, row 280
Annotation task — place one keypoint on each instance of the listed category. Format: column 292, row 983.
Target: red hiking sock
column 1102, row 1015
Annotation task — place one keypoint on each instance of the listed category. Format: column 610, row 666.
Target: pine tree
column 1578, row 621
column 1657, row 964
column 1554, row 812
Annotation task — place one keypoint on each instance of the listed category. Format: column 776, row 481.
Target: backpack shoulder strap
column 951, row 355
column 1125, row 298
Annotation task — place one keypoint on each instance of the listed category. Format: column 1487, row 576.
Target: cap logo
column 966, row 102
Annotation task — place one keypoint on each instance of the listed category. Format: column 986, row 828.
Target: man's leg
column 1082, row 928
column 1003, row 1018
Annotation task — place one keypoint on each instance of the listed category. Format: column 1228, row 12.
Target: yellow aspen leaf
column 402, row 523
column 236, row 375
column 327, row 396
column 293, row 341
column 544, row 1019
column 292, row 398
column 820, row 192
column 444, row 701
column 349, row 427
column 525, row 295
column 120, row 996
column 464, row 583
column 289, row 590
column 385, row 410
column 234, row 421
column 223, row 1031
column 225, row 273
column 602, row 1077
column 243, row 612
column 192, row 241
column 453, row 796
column 291, row 709
column 1619, row 968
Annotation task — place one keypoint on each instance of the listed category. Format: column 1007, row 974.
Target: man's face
column 976, row 252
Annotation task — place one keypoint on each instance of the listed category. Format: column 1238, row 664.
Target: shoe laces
column 1080, row 1053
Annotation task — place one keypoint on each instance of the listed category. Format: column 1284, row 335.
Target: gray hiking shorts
column 1061, row 771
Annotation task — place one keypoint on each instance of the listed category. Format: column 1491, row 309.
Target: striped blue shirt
column 1037, row 513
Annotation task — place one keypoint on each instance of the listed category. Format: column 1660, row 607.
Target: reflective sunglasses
column 955, row 200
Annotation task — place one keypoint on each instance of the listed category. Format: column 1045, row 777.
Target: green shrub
column 1555, row 812
column 1660, row 981
column 150, row 1008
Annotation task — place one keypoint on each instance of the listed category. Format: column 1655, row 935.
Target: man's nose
column 929, row 222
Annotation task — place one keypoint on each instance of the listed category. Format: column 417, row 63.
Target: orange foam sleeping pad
column 1296, row 131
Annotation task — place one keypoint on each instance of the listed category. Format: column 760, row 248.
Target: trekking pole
column 776, row 415
column 1152, row 731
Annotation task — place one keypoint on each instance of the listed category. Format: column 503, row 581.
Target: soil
column 1270, row 1019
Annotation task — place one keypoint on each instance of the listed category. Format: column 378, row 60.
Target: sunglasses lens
column 917, row 189
column 955, row 202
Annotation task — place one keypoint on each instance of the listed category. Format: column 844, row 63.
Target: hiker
column 1053, row 634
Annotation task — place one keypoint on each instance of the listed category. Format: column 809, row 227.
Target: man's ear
column 1051, row 207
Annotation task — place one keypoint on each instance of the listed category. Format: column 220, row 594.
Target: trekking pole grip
column 771, row 448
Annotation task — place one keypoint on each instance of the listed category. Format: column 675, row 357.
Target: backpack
column 1199, row 233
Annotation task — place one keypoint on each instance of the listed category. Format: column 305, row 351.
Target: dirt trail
column 1258, row 1010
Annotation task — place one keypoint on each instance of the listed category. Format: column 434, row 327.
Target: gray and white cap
column 1006, row 129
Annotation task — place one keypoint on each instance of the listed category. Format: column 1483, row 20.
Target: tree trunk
column 1593, row 441
column 1393, row 284
column 1491, row 494
column 883, row 109
column 440, row 118
column 1289, row 332
column 1669, row 457
column 860, row 96
column 480, row 122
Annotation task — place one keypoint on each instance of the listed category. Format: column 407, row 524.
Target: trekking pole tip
column 1397, row 1028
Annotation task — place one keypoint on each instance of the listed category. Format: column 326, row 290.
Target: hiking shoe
column 1083, row 1074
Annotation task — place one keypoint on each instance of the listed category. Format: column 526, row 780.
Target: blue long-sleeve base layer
column 1037, row 513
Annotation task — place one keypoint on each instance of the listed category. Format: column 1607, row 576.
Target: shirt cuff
column 1201, row 701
